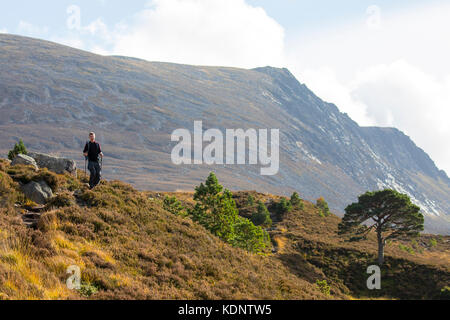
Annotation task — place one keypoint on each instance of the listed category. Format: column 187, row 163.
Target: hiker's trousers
column 96, row 173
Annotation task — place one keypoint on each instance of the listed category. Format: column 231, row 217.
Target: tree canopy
column 19, row 148
column 216, row 211
column 262, row 216
column 389, row 213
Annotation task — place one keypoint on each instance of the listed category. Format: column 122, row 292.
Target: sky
column 385, row 63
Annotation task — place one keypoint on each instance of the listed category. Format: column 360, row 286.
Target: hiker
column 92, row 151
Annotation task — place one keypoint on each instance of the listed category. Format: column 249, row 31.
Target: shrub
column 26, row 174
column 174, row 206
column 250, row 237
column 87, row 290
column 8, row 193
column 433, row 242
column 19, row 148
column 64, row 199
column 216, row 211
column 281, row 208
column 262, row 216
column 322, row 205
column 323, row 287
column 445, row 293
column 53, row 180
column 406, row 249
column 296, row 201
column 250, row 200
column 73, row 184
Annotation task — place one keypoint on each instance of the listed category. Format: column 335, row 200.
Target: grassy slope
column 414, row 269
column 129, row 247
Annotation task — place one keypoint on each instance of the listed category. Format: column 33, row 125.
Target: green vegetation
column 322, row 205
column 250, row 237
column 392, row 214
column 323, row 287
column 250, row 200
column 174, row 206
column 406, row 249
column 281, row 208
column 19, row 148
column 23, row 175
column 296, row 201
column 262, row 216
column 87, row 290
column 445, row 293
column 433, row 242
column 216, row 211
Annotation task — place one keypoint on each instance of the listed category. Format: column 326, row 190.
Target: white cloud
column 417, row 103
column 3, row 30
column 28, row 29
column 94, row 37
column 395, row 75
column 97, row 28
column 374, row 20
column 212, row 32
column 323, row 81
column 73, row 41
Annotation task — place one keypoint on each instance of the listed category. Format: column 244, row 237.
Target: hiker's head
column 92, row 136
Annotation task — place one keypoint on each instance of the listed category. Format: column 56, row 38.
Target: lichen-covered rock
column 54, row 164
column 38, row 192
column 26, row 160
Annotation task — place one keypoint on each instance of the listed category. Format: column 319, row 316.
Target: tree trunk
column 381, row 244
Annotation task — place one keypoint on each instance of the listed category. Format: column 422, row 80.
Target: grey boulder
column 23, row 159
column 38, row 192
column 54, row 164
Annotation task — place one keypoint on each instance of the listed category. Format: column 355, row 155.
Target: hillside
column 135, row 105
column 129, row 247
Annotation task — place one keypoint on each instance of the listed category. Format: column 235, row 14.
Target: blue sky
column 383, row 62
column 293, row 15
column 299, row 14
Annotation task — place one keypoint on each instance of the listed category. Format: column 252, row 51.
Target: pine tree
column 19, row 148
column 282, row 207
column 389, row 213
column 262, row 216
column 174, row 206
column 296, row 201
column 323, row 207
column 216, row 210
column 250, row 237
column 250, row 200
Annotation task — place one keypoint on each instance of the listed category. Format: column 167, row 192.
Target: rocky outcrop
column 55, row 164
column 38, row 192
column 26, row 160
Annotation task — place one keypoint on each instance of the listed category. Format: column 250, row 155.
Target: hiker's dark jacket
column 93, row 149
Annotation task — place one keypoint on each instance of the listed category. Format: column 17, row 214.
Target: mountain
column 128, row 246
column 52, row 96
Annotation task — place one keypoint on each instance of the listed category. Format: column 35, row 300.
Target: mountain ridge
column 130, row 101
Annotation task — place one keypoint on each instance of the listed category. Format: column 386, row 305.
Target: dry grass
column 128, row 247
